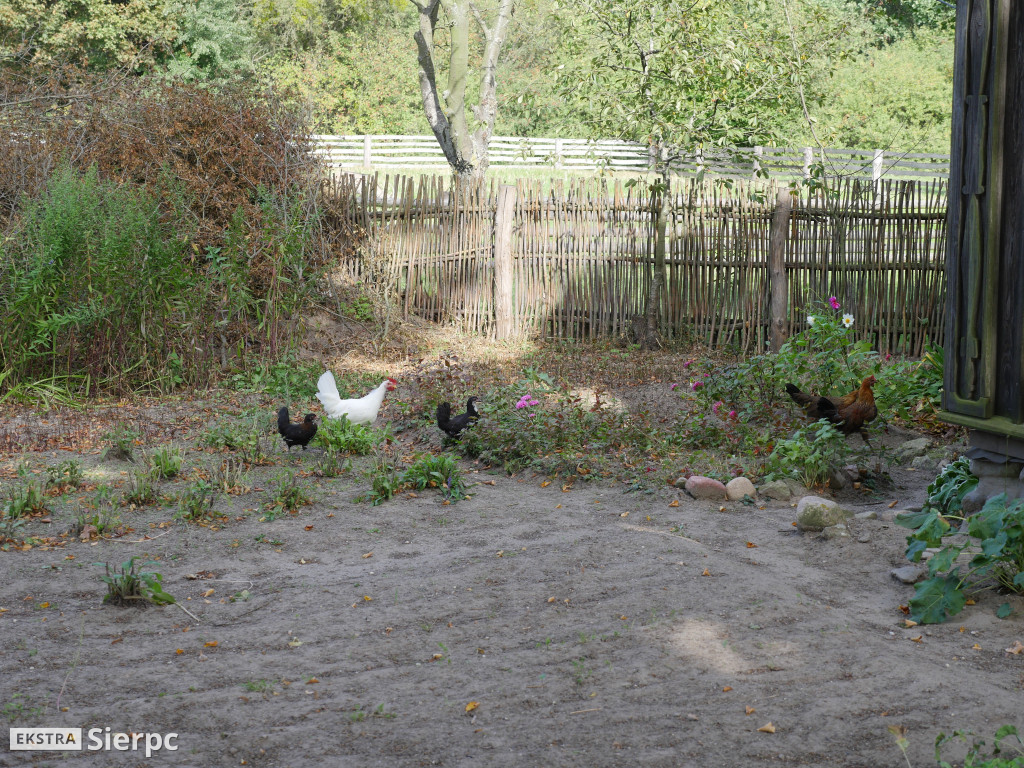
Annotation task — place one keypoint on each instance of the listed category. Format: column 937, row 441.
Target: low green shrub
column 810, row 455
column 127, row 585
column 342, row 436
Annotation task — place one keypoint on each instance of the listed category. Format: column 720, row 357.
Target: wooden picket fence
column 581, row 256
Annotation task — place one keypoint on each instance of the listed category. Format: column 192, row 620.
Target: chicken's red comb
column 393, row 381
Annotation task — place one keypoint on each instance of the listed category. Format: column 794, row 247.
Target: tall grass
column 97, row 291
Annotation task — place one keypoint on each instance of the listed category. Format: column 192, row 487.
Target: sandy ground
column 526, row 626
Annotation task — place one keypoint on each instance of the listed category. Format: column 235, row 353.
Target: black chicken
column 296, row 434
column 454, row 425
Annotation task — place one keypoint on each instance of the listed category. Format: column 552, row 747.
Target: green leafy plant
column 287, row 377
column 128, row 585
column 165, row 462
column 197, row 502
column 810, row 454
column 121, row 440
column 330, row 464
column 25, row 499
column 385, row 480
column 441, row 472
column 995, row 539
column 977, row 757
column 286, row 494
column 342, row 436
column 66, row 474
column 140, row 488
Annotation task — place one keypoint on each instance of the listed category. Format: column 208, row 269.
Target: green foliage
column 97, row 290
column 342, row 436
column 995, row 538
column 441, row 472
column 230, row 477
column 286, row 494
column 121, row 439
column 331, row 464
column 25, row 499
column 66, row 474
column 977, row 756
column 127, row 585
column 140, row 487
column 213, row 41
column 810, row 454
column 165, row 462
column 196, row 503
column 286, row 377
column 385, row 480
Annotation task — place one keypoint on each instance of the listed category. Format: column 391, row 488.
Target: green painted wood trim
column 999, row 425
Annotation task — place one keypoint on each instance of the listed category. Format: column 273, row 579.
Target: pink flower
column 732, row 414
column 673, row 386
column 696, row 385
column 520, row 404
column 688, row 363
column 715, row 407
column 833, row 302
column 534, row 402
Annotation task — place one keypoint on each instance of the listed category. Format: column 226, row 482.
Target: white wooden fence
column 381, row 151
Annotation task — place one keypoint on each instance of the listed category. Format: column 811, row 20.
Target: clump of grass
column 196, row 503
column 66, row 474
column 342, row 436
column 231, row 477
column 101, row 513
column 121, row 441
column 25, row 499
column 330, row 464
column 441, row 472
column 165, row 462
column 286, row 494
column 385, row 480
column 140, row 488
column 127, row 585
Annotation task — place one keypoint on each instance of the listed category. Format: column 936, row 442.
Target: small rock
column 814, row 513
column 924, row 464
column 911, row 449
column 869, row 515
column 739, row 487
column 864, row 538
column 838, row 479
column 795, row 488
column 701, row 487
column 908, row 574
column 837, row 531
column 776, row 489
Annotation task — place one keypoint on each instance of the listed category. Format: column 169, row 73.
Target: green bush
column 810, row 454
column 342, row 436
column 127, row 585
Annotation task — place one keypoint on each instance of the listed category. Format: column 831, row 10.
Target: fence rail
column 380, row 151
column 582, row 256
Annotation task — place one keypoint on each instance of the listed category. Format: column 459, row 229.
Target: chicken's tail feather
column 283, row 419
column 444, row 414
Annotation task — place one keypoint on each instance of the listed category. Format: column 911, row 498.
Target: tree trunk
column 464, row 146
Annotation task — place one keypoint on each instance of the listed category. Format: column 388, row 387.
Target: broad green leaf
column 937, row 598
column 943, row 560
column 1004, row 610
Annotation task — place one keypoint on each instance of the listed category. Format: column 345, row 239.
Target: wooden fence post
column 504, row 215
column 779, row 304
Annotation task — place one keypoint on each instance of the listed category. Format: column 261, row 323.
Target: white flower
column 847, row 320
column 810, row 319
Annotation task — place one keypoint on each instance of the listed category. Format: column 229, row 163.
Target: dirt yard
column 526, row 626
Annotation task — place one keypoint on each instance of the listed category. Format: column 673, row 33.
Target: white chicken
column 361, row 411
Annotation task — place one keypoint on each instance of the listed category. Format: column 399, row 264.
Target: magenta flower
column 732, row 414
column 833, row 302
column 715, row 407
column 688, row 363
column 673, row 386
column 696, row 385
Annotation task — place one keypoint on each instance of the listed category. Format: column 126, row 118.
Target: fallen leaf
column 969, row 602
column 1016, row 649
column 908, row 623
column 309, row 527
column 368, row 554
column 179, row 651
column 707, row 572
column 472, row 705
column 624, row 514
column 545, row 484
column 727, row 689
column 976, row 647
column 674, row 503
column 367, row 598
column 905, row 608
column 295, row 642
column 893, row 504
column 750, row 710
column 207, row 593
column 116, row 640
column 767, row 728
column 751, row 545
column 918, row 639
column 551, row 599
column 311, row 681
column 211, row 644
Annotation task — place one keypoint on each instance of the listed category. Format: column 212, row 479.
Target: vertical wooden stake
column 504, row 215
column 778, row 310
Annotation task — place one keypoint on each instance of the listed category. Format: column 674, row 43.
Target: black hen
column 295, row 434
column 454, row 425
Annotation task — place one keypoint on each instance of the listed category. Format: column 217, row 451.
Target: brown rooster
column 849, row 413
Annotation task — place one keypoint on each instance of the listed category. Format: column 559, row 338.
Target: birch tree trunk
column 463, row 130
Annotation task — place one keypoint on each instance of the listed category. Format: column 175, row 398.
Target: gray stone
column 701, row 487
column 982, row 468
column 776, row 489
column 814, row 513
column 838, row 479
column 908, row 574
column 837, row 531
column 739, row 487
column 924, row 464
column 795, row 488
column 864, row 538
column 869, row 515
column 911, row 449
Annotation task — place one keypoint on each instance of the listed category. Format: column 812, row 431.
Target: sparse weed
column 19, row 708
column 121, row 439
column 197, row 503
column 140, row 488
column 127, row 585
column 259, row 686
column 286, row 494
column 231, row 477
column 342, row 436
column 26, row 499
column 67, row 474
column 441, row 472
column 330, row 464
column 165, row 462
